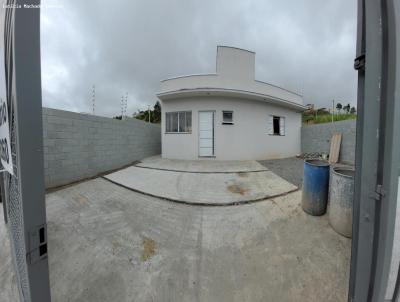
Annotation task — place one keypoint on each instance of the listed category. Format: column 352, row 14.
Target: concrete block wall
column 317, row 138
column 78, row 146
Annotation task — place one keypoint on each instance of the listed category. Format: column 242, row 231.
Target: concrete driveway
column 109, row 243
column 205, row 182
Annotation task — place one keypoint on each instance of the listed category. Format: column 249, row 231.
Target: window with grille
column 227, row 117
column 178, row 122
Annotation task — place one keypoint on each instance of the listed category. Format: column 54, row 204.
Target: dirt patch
column 81, row 199
column 237, row 189
column 116, row 245
column 149, row 248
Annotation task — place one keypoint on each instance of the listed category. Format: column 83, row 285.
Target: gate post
column 25, row 191
column 377, row 152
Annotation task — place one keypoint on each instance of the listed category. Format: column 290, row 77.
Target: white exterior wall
column 235, row 69
column 247, row 139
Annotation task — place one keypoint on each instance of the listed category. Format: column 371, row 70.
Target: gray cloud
column 128, row 46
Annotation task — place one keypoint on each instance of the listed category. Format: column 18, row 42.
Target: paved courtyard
column 109, row 243
column 290, row 169
column 205, row 182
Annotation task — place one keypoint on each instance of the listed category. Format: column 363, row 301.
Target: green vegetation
column 327, row 118
column 322, row 115
column 155, row 114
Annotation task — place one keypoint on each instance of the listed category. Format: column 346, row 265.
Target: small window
column 178, row 122
column 227, row 117
column 276, row 125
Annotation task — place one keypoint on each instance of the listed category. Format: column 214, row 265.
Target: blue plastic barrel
column 315, row 187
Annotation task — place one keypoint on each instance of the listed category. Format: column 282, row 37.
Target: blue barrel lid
column 317, row 162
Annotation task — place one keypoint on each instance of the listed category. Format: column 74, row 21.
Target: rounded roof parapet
column 188, row 75
column 231, row 93
column 235, row 72
column 233, row 47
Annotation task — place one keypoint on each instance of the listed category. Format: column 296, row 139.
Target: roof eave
column 231, row 93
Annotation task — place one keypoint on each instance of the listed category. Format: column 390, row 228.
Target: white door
column 206, row 133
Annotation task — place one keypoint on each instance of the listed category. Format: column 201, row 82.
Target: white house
column 229, row 115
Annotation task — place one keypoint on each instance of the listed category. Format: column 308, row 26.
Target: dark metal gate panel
column 377, row 149
column 24, row 191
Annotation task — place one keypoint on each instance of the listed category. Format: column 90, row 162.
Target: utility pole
column 126, row 103
column 333, row 109
column 122, row 107
column 93, row 98
column 148, row 106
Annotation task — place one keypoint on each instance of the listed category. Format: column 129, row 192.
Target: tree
column 155, row 114
column 142, row 115
column 352, row 110
column 339, row 106
column 347, row 108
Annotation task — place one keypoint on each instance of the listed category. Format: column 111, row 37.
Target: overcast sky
column 129, row 46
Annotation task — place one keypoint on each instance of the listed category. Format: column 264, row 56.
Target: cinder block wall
column 77, row 146
column 317, row 138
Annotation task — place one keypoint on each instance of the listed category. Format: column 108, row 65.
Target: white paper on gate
column 5, row 144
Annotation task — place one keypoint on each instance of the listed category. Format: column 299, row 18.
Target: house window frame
column 271, row 127
column 225, row 122
column 178, row 122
